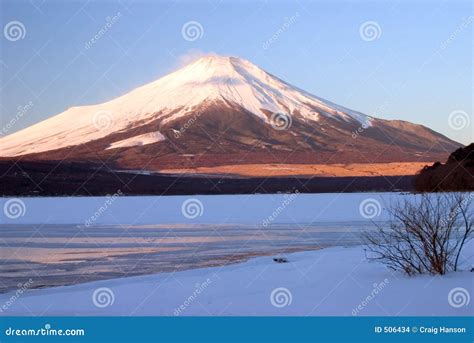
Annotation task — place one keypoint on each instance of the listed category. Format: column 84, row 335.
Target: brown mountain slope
column 222, row 133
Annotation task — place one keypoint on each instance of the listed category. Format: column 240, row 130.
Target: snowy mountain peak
column 235, row 82
column 245, row 84
column 238, row 105
column 216, row 62
column 219, row 65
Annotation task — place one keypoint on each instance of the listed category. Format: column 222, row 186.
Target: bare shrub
column 423, row 236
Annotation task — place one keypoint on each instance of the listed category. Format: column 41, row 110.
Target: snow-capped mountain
column 221, row 110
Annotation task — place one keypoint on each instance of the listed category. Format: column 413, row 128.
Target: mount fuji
column 221, row 111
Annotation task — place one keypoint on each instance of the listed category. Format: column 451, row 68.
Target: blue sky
column 419, row 67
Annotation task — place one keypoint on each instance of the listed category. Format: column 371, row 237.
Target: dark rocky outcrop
column 457, row 174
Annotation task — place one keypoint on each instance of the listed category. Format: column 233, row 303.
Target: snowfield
column 330, row 282
column 147, row 138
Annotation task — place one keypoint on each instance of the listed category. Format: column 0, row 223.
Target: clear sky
column 409, row 60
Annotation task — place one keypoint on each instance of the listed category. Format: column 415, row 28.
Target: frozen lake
column 55, row 255
column 62, row 241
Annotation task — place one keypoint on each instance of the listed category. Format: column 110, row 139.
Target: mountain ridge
column 222, row 106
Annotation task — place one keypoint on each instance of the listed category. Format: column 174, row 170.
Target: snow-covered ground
column 147, row 138
column 329, row 282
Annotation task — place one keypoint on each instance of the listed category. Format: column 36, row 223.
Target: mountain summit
column 222, row 110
